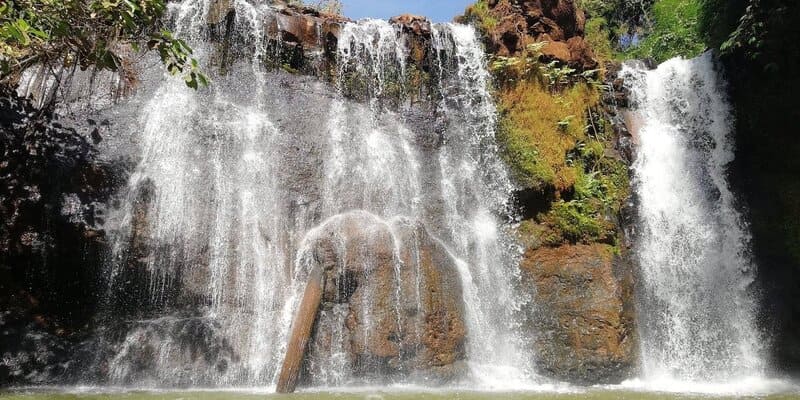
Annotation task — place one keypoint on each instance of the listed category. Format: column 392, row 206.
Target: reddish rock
column 554, row 50
column 392, row 300
column 580, row 55
column 519, row 23
column 583, row 325
column 415, row 24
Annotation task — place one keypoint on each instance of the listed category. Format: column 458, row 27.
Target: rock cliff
column 582, row 328
column 566, row 141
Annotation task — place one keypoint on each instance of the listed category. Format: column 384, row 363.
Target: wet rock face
column 32, row 349
column 583, row 326
column 392, row 303
column 191, row 347
column 302, row 38
column 51, row 249
column 520, row 23
column 415, row 24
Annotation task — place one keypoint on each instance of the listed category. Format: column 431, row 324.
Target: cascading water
column 697, row 309
column 233, row 180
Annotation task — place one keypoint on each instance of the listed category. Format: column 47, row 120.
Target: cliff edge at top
column 510, row 26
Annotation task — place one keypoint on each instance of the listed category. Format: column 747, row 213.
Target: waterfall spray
column 236, row 184
column 697, row 313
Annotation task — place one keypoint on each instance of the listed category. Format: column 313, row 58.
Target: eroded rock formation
column 392, row 301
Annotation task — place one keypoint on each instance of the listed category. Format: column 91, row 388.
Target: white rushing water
column 232, row 179
column 697, row 306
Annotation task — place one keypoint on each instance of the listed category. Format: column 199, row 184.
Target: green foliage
column 479, row 16
column 599, row 192
column 608, row 21
column 598, row 35
column 719, row 18
column 764, row 30
column 619, row 13
column 89, row 33
column 675, row 31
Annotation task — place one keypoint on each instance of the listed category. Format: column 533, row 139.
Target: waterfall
column 234, row 182
column 697, row 308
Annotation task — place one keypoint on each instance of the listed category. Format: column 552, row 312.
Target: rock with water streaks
column 583, row 326
column 392, row 303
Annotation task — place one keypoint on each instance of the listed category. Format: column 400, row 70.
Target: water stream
column 232, row 181
column 698, row 303
column 231, row 189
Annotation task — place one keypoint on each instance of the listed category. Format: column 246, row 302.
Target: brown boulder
column 584, row 323
column 521, row 22
column 581, row 55
column 553, row 50
column 415, row 24
column 392, row 302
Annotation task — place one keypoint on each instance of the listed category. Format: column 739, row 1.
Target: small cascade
column 697, row 310
column 208, row 212
column 242, row 188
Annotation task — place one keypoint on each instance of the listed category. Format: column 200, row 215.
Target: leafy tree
column 674, row 31
column 89, row 33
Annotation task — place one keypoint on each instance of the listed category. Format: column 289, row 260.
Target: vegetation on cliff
column 556, row 135
column 757, row 42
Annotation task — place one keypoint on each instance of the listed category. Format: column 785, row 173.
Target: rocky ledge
column 510, row 26
column 302, row 39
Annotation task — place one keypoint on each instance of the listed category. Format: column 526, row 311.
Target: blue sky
column 436, row 10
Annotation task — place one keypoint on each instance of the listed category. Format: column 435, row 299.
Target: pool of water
column 616, row 393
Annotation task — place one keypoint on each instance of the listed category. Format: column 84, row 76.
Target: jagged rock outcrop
column 302, row 38
column 510, row 26
column 583, row 328
column 392, row 301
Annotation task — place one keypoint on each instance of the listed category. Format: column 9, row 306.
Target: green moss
column 599, row 194
column 527, row 165
column 478, row 15
column 540, row 127
column 598, row 35
column 550, row 142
